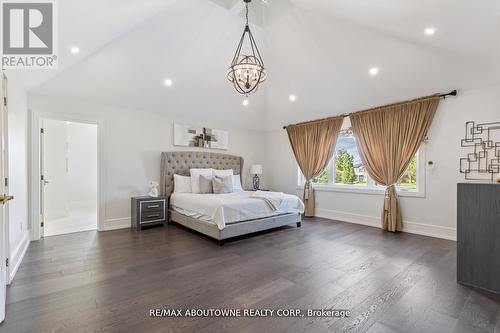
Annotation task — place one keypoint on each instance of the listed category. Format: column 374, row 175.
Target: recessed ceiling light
column 168, row 82
column 373, row 71
column 292, row 98
column 246, row 102
column 75, row 50
column 430, row 31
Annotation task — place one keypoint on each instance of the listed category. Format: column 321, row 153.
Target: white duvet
column 223, row 209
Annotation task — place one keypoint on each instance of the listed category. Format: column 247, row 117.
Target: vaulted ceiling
column 319, row 50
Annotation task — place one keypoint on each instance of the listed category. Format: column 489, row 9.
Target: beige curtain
column 387, row 138
column 313, row 144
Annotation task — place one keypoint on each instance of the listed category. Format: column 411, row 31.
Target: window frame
column 370, row 187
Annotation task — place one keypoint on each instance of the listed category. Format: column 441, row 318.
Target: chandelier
column 247, row 70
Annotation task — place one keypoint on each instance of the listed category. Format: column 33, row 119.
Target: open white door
column 4, row 198
column 43, row 182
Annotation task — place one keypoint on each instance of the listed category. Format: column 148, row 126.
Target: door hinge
column 42, row 177
column 5, row 101
column 6, row 183
column 7, row 262
column 41, row 224
column 41, row 130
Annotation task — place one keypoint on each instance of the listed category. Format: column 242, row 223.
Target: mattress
column 224, row 209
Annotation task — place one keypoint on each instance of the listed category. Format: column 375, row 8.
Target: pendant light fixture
column 247, row 70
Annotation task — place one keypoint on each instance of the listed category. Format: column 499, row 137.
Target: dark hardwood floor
column 107, row 282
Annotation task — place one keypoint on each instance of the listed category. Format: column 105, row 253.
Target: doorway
column 69, row 177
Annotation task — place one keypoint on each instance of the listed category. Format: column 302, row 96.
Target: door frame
column 35, row 125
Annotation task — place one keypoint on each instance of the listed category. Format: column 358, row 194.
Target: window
column 409, row 179
column 349, row 169
column 346, row 171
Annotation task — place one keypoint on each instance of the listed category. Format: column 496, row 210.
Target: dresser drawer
column 147, row 217
column 152, row 206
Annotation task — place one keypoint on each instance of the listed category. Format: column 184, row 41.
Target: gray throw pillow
column 206, row 185
column 223, row 184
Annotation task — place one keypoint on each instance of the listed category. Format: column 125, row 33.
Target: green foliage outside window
column 322, row 178
column 409, row 178
column 344, row 168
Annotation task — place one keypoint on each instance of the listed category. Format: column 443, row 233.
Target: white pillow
column 182, row 184
column 223, row 173
column 195, row 178
column 237, row 184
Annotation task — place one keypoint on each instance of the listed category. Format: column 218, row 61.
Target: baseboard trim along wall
column 17, row 255
column 114, row 224
column 372, row 221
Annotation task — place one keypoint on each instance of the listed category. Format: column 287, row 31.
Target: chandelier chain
column 247, row 12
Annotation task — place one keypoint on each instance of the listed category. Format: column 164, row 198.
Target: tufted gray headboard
column 179, row 162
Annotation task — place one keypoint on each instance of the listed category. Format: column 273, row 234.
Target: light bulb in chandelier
column 247, row 70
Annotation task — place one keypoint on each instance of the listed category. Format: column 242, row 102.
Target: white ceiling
column 318, row 50
column 91, row 25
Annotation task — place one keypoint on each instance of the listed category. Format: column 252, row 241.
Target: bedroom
column 149, row 74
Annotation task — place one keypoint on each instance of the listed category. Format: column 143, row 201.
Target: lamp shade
column 256, row 169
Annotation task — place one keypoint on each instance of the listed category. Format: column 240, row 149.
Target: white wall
column 132, row 143
column 433, row 215
column 18, row 171
column 56, row 191
column 82, row 163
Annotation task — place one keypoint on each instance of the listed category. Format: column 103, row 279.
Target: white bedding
column 223, row 209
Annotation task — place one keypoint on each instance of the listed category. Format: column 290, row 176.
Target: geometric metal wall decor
column 483, row 163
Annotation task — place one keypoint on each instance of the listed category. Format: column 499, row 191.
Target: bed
column 236, row 213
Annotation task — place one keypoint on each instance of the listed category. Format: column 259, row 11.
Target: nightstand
column 149, row 211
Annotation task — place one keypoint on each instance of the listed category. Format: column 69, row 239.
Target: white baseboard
column 16, row 257
column 114, row 224
column 372, row 221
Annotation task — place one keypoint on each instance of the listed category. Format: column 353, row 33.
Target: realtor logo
column 28, row 34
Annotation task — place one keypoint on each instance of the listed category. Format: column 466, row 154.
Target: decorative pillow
column 237, row 183
column 223, row 185
column 182, row 184
column 206, row 185
column 195, row 178
column 223, row 173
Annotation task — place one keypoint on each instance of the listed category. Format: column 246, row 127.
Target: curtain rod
column 443, row 96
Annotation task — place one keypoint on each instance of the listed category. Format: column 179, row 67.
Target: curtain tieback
column 307, row 189
column 390, row 191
